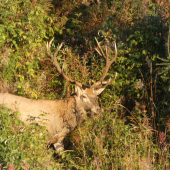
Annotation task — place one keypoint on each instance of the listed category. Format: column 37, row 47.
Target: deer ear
column 78, row 90
column 99, row 91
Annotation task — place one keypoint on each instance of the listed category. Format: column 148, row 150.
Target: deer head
column 86, row 95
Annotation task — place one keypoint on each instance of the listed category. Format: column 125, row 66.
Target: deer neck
column 80, row 113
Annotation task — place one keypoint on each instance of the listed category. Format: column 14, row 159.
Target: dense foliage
column 133, row 132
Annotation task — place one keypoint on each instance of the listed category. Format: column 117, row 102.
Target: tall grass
column 108, row 141
column 113, row 141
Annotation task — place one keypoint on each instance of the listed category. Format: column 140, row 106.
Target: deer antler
column 108, row 64
column 54, row 59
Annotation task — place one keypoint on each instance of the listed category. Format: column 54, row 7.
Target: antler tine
column 98, row 52
column 49, row 44
column 108, row 64
column 53, row 57
column 105, row 82
column 100, row 49
column 56, row 52
column 107, row 43
column 115, row 53
column 106, row 53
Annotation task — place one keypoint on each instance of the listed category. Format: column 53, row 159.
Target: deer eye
column 84, row 97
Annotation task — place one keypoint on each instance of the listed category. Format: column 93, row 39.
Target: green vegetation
column 133, row 131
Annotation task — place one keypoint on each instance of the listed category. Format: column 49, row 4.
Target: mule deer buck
column 62, row 115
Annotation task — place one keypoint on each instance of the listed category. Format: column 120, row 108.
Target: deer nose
column 99, row 110
column 96, row 109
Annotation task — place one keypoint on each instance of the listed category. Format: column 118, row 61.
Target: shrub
column 23, row 147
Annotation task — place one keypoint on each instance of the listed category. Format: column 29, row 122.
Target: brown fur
column 61, row 116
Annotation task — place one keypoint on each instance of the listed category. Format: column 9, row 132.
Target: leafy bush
column 108, row 142
column 23, row 147
column 24, row 28
column 133, row 130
